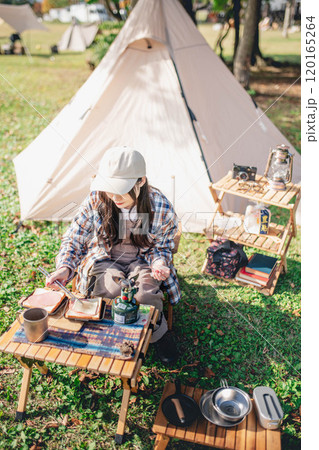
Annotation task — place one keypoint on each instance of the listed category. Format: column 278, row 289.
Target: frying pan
column 180, row 409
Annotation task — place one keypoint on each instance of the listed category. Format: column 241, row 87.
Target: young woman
column 124, row 227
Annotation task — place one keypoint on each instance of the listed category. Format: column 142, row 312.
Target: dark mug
column 35, row 324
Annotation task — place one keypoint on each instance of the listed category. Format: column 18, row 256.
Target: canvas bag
column 225, row 258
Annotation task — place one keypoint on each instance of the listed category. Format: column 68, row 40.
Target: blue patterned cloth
column 102, row 338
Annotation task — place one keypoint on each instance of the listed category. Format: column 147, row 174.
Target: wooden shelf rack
column 279, row 237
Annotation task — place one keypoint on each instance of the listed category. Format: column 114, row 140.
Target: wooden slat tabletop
column 248, row 435
column 269, row 196
column 32, row 351
column 6, row 337
column 21, row 350
column 53, row 354
column 161, row 422
column 94, row 363
column 270, row 242
column 62, row 357
column 116, row 367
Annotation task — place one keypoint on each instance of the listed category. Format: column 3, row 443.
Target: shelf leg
column 284, row 263
column 161, row 442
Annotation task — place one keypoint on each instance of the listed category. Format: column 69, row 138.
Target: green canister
column 124, row 312
column 125, row 308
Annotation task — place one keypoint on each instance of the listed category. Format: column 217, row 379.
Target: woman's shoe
column 166, row 349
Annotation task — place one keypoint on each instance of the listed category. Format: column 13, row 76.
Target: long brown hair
column 110, row 216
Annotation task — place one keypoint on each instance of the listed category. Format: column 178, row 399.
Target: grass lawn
column 223, row 331
column 271, row 43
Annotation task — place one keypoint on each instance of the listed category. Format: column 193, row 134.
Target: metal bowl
column 209, row 412
column 231, row 403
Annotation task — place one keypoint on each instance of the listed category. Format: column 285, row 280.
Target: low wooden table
column 30, row 355
column 248, row 435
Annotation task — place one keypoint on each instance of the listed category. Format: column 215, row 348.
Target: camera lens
column 243, row 176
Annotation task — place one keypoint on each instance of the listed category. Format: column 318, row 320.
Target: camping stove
column 125, row 308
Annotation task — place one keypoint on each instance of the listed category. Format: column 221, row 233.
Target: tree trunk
column 245, row 46
column 109, row 9
column 236, row 11
column 289, row 11
column 256, row 50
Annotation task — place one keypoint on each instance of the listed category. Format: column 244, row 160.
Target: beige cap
column 119, row 170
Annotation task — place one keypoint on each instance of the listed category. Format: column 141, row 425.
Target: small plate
column 99, row 319
column 211, row 415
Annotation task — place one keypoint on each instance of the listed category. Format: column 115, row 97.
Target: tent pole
column 27, row 51
column 192, row 118
column 191, row 114
column 173, row 189
column 20, row 224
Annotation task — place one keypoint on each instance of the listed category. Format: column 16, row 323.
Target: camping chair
column 169, row 305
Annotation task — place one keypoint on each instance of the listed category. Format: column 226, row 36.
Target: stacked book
column 259, row 271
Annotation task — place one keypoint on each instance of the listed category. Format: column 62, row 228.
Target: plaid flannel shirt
column 84, row 241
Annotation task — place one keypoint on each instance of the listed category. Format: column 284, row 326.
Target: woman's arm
column 164, row 229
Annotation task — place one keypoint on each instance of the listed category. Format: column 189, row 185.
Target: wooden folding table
column 30, row 355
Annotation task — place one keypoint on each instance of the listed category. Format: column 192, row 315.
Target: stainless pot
column 268, row 408
column 231, row 403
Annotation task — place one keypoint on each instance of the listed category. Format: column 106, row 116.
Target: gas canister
column 125, row 309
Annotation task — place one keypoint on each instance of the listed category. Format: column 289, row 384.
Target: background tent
column 20, row 18
column 161, row 89
column 78, row 37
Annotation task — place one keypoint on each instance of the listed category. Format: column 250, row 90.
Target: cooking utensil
column 231, row 403
column 64, row 289
column 180, row 409
column 35, row 324
column 267, row 406
column 209, row 412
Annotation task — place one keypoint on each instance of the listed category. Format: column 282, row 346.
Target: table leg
column 124, row 407
column 284, row 263
column 20, row 413
column 42, row 367
column 161, row 442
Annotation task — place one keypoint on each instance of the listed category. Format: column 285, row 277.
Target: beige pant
column 148, row 293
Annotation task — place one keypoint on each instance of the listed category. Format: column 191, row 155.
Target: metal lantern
column 279, row 167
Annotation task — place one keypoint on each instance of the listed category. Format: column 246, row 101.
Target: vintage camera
column 244, row 173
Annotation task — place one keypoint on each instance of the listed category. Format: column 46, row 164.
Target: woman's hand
column 159, row 270
column 61, row 275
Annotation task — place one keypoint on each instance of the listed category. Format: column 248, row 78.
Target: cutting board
column 58, row 320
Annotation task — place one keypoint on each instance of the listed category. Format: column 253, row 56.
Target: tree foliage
column 50, row 4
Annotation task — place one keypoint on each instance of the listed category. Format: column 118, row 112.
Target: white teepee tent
column 78, row 37
column 160, row 89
